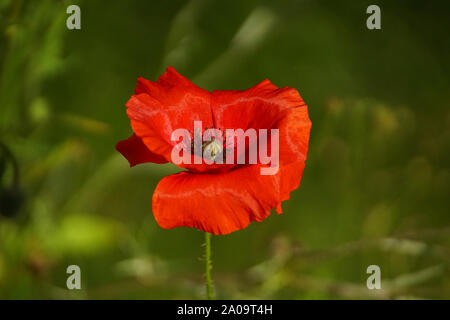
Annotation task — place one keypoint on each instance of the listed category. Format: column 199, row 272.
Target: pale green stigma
column 212, row 148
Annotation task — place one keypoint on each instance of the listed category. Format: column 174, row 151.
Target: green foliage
column 376, row 184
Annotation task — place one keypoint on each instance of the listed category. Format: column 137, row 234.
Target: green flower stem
column 209, row 287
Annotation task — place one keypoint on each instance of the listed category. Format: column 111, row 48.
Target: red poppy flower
column 218, row 198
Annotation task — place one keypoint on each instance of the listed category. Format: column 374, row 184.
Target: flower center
column 212, row 148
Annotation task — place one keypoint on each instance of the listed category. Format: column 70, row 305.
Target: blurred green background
column 376, row 185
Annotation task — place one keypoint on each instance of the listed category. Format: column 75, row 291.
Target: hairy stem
column 209, row 288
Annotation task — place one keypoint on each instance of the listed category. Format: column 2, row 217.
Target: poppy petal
column 135, row 151
column 258, row 107
column 294, row 128
column 265, row 106
column 216, row 203
column 158, row 108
